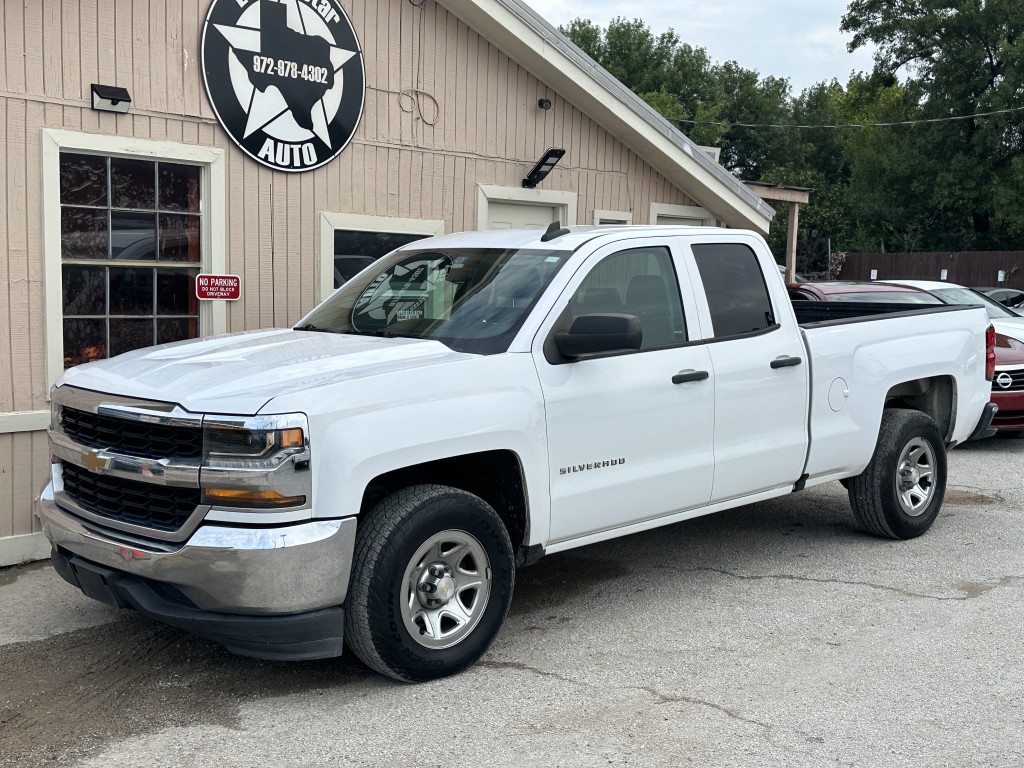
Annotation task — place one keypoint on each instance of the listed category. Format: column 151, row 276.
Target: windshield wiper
column 317, row 329
column 384, row 332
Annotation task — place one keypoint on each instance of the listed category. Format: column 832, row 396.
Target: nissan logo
column 1004, row 380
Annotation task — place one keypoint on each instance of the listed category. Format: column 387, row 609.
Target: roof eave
column 528, row 39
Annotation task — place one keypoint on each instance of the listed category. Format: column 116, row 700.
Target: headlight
column 256, row 443
column 258, row 462
column 252, row 448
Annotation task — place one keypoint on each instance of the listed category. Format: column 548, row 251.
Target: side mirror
column 594, row 334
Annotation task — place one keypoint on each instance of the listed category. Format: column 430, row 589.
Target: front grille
column 134, row 438
column 126, row 501
column 1016, row 384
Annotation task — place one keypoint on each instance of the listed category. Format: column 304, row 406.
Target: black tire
column 378, row 616
column 883, row 498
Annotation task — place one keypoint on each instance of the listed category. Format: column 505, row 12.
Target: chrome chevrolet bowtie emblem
column 92, row 461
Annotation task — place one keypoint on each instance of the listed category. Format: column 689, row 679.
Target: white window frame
column 683, row 211
column 486, row 193
column 621, row 217
column 213, row 315
column 358, row 222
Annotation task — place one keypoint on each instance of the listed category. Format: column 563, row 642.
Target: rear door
column 759, row 366
column 629, row 433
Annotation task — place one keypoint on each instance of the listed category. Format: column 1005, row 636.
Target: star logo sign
column 285, row 78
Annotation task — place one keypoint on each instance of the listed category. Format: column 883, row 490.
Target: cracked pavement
column 772, row 635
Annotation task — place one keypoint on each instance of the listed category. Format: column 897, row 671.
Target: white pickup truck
column 471, row 402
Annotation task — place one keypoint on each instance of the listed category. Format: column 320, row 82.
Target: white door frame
column 212, row 314
column 485, row 193
column 682, row 211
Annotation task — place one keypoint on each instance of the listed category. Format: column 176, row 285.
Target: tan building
column 426, row 121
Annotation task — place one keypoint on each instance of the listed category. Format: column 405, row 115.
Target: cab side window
column 640, row 282
column 735, row 288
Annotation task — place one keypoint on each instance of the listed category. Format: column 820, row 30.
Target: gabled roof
column 532, row 42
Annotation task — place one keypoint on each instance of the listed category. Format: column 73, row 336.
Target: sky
column 796, row 39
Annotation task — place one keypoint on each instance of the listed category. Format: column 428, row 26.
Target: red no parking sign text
column 224, row 287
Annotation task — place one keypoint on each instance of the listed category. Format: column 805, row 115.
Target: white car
column 1005, row 321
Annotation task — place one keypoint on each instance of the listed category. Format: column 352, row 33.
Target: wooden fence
column 973, row 268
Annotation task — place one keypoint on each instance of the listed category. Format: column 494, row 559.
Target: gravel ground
column 772, row 635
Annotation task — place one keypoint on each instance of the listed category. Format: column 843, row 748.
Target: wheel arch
column 934, row 396
column 495, row 476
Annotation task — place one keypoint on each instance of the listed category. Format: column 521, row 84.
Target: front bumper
column 292, row 637
column 268, row 592
column 1010, row 417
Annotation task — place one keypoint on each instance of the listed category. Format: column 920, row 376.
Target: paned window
column 355, row 250
column 130, row 253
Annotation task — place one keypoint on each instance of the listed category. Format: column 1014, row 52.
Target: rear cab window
column 737, row 295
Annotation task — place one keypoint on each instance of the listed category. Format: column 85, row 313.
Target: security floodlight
column 110, row 98
column 543, row 167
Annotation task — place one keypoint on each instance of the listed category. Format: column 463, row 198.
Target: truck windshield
column 470, row 299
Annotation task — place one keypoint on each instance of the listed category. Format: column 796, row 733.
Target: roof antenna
column 554, row 230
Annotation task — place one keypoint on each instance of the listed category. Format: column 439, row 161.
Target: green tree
column 682, row 83
column 965, row 57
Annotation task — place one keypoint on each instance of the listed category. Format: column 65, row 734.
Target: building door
column 680, row 221
column 680, row 215
column 505, row 215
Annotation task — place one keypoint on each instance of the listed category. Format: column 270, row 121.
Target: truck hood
column 240, row 373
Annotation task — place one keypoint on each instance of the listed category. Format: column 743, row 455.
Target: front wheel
column 432, row 579
column 900, row 492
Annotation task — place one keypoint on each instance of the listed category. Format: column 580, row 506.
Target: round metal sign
column 285, row 78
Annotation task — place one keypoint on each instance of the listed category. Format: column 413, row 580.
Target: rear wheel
column 900, row 492
column 432, row 579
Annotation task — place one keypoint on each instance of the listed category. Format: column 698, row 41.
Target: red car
column 1008, row 387
column 847, row 291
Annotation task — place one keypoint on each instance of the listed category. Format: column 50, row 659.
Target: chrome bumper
column 282, row 570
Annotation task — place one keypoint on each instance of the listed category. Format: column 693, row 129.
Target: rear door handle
column 691, row 375
column 785, row 361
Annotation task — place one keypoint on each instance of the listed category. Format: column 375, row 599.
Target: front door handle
column 785, row 361
column 690, row 375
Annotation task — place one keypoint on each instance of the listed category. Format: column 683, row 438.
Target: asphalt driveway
column 772, row 635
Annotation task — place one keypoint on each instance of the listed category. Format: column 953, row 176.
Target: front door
column 516, row 215
column 629, row 433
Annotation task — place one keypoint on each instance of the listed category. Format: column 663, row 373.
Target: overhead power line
column 851, row 125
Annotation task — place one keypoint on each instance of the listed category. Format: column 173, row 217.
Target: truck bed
column 824, row 313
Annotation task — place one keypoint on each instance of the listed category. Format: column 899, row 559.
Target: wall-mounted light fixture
column 543, row 167
column 544, row 103
column 110, row 98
